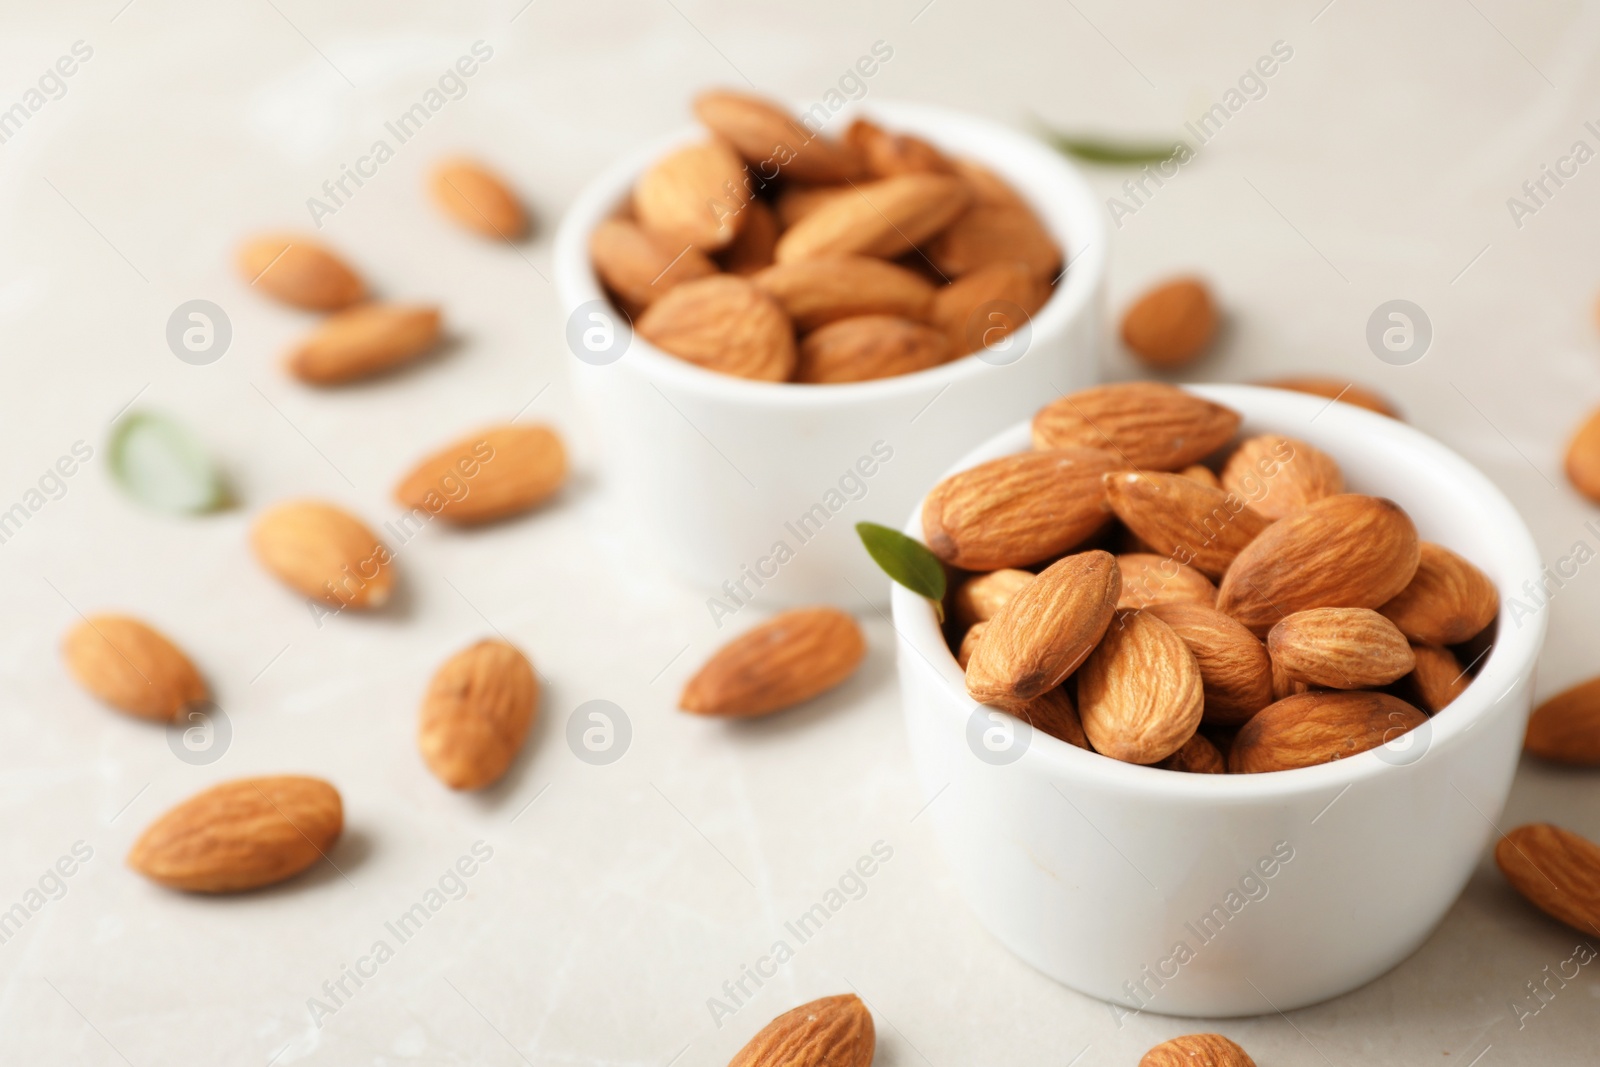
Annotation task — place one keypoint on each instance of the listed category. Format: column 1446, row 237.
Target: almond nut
column 488, row 475
column 364, row 341
column 324, row 553
column 240, row 835
column 1235, row 670
column 132, row 667
column 782, row 662
column 1017, row 510
column 969, row 641
column 868, row 347
column 1197, row 1050
column 980, row 597
column 1139, row 693
column 1556, row 870
column 1054, row 714
column 1150, row 425
column 476, row 714
column 1447, row 601
column 1319, row 727
column 815, row 292
column 694, row 196
column 882, row 218
column 1438, row 678
column 1149, row 579
column 1194, row 524
column 831, row 1032
column 770, row 139
column 1171, row 324
column 479, row 199
column 996, row 233
column 640, row 267
column 1278, row 475
column 887, row 154
column 300, row 271
column 985, row 306
column 724, row 324
column 1340, row 648
column 1197, row 756
column 757, row 242
column 1566, row 727
column 1337, row 389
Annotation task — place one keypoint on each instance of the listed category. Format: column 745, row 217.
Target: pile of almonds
column 1143, row 586
column 774, row 253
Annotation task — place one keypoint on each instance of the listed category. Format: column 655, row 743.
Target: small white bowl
column 1095, row 871
column 717, row 472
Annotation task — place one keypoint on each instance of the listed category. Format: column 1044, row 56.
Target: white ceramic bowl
column 1095, row 871
column 718, row 471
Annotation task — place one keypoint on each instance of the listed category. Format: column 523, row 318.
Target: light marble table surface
column 1376, row 164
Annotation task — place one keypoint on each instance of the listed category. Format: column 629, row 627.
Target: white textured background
column 1377, row 166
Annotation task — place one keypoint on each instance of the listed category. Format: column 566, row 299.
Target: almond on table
column 488, row 475
column 1556, row 870
column 1566, row 727
column 132, row 667
column 476, row 714
column 830, row 1032
column 784, row 661
column 478, row 199
column 1197, row 1050
column 300, row 270
column 325, row 553
column 1171, row 324
column 364, row 341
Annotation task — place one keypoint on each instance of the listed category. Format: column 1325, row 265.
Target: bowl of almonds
column 1218, row 703
column 781, row 327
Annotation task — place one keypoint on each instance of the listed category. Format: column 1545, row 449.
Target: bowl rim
column 577, row 284
column 1509, row 665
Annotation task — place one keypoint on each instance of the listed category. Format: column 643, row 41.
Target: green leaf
column 906, row 560
column 1113, row 152
column 158, row 462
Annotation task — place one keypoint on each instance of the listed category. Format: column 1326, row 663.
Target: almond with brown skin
column 1197, row 1050
column 1284, row 684
column 1279, row 475
column 1139, row 693
column 301, row 271
column 694, row 196
column 132, row 666
column 487, row 475
column 772, row 142
column 794, row 202
column 1017, row 510
column 1150, row 425
column 1045, row 631
column 325, row 553
column 831, row 1032
column 1556, row 870
column 882, row 218
column 815, row 292
column 996, row 233
column 640, row 267
column 1197, row 756
column 1447, row 601
column 1583, row 458
column 1171, row 324
column 969, row 642
column 1337, row 389
column 782, row 662
column 1319, row 727
column 364, row 341
column 724, row 324
column 241, row 835
column 1566, row 727
column 752, row 250
column 887, row 154
column 868, row 347
column 479, row 199
column 1235, row 670
column 1054, row 714
column 476, row 714
column 1149, row 579
column 979, row 598
column 1438, row 678
column 1346, row 551
column 1340, row 648
column 987, row 305
column 1194, row 524
column 1198, row 472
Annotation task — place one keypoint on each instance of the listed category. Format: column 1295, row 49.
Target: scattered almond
column 1150, row 425
column 1556, row 870
column 1045, row 630
column 815, row 292
column 980, row 597
column 867, row 347
column 1278, row 475
column 694, row 196
column 240, row 835
column 1566, row 727
column 488, row 475
column 988, row 304
column 479, row 199
column 1337, row 389
column 726, row 324
column 1139, row 693
column 1194, row 524
column 476, row 714
column 1319, row 727
column 1438, row 678
column 782, row 662
column 1149, row 579
column 324, row 553
column 831, row 1032
column 774, row 143
column 299, row 270
column 364, row 341
column 1583, row 458
column 132, row 666
column 640, row 267
column 1197, row 1050
column 1017, row 510
column 883, row 218
column 1235, row 670
column 1340, row 648
column 1171, row 324
column 1447, row 601
column 1343, row 551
